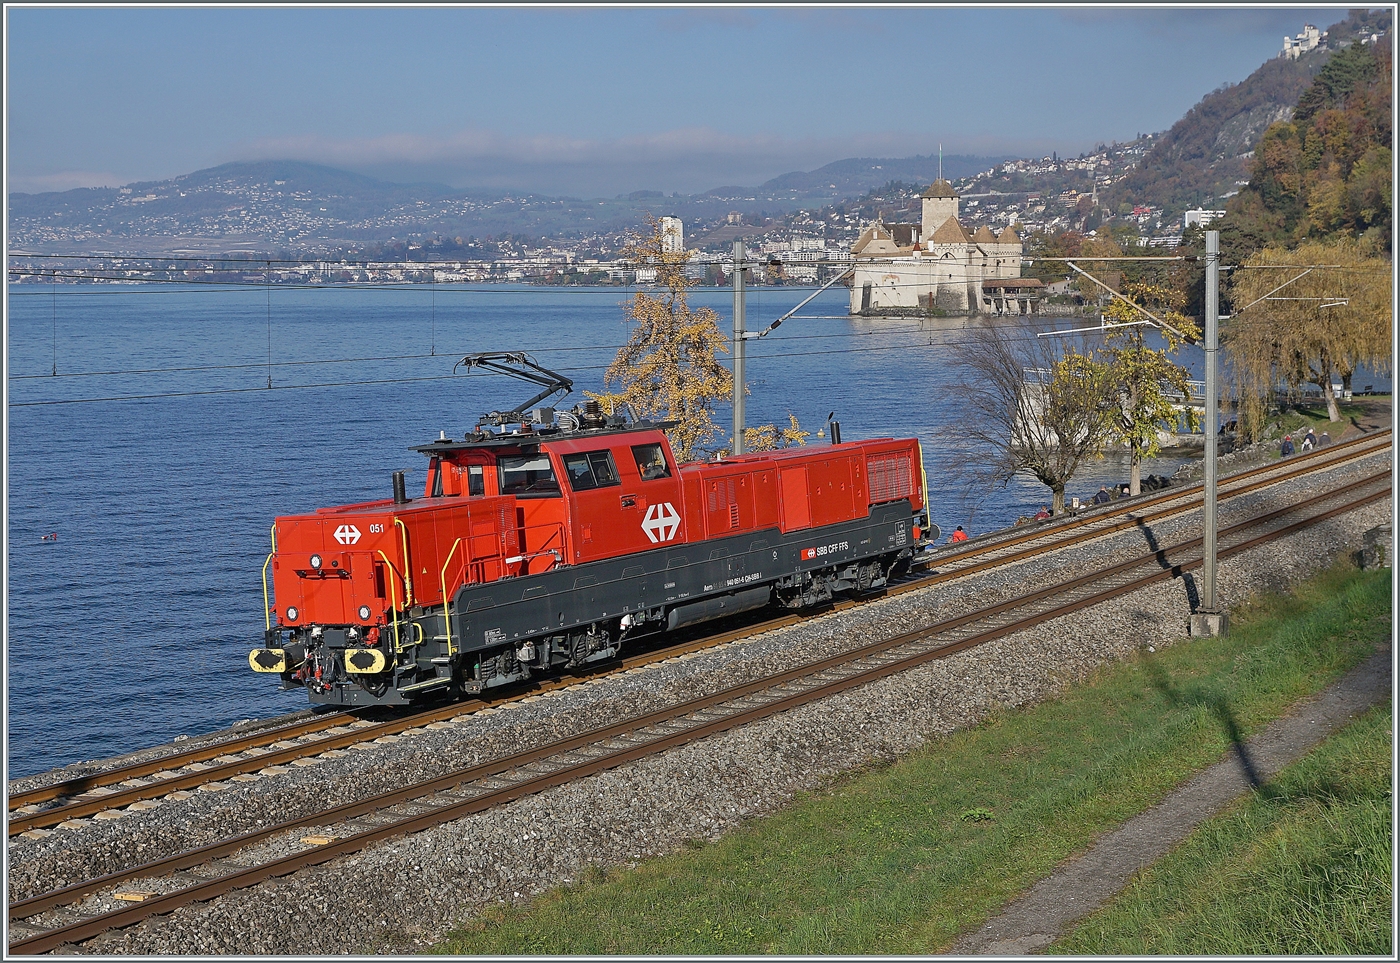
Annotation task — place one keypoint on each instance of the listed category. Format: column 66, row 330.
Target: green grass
column 1303, row 868
column 901, row 859
column 1297, row 419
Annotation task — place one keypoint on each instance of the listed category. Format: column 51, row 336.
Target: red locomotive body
column 549, row 545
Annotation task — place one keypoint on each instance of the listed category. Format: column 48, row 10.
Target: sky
column 595, row 102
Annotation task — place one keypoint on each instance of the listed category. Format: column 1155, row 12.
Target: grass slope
column 1301, row 868
column 902, row 859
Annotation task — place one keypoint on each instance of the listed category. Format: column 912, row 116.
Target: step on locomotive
column 546, row 540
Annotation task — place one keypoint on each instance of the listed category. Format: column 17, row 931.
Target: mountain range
column 301, row 209
column 257, row 207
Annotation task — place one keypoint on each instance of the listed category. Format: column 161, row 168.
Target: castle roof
column 950, row 232
column 877, row 238
column 984, row 236
column 940, row 188
column 1009, row 236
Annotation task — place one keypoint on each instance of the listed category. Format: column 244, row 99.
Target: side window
column 593, row 469
column 651, row 462
column 435, row 473
column 527, row 475
column 476, row 480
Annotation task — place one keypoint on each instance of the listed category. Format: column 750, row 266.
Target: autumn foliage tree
column 1304, row 316
column 1326, row 172
column 771, row 437
column 1148, row 384
column 669, row 369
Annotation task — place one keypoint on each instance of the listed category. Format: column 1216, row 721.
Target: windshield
column 527, row 475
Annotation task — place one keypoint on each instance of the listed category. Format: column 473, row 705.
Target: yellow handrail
column 393, row 600
column 923, row 478
column 446, row 616
column 267, row 604
column 407, row 568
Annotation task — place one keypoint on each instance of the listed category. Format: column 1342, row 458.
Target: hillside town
column 245, row 222
column 1047, row 194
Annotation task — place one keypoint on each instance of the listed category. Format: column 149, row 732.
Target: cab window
column 592, row 469
column 527, row 475
column 476, row 480
column 651, row 462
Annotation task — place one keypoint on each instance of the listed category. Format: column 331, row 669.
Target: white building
column 1199, row 218
column 1309, row 39
column 672, row 235
column 935, row 264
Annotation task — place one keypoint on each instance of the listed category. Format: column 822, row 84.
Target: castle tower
column 940, row 204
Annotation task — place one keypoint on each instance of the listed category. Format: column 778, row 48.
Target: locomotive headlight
column 315, row 561
column 364, row 613
column 292, row 613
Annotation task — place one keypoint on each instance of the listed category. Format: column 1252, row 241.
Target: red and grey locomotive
column 545, row 540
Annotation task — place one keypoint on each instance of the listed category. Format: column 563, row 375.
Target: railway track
column 349, row 828
column 113, row 789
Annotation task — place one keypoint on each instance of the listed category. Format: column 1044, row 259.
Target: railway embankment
column 400, row 895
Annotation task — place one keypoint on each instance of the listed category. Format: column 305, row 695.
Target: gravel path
column 1082, row 885
column 399, row 896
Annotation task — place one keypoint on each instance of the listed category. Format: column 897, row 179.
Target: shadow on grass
column 1219, row 707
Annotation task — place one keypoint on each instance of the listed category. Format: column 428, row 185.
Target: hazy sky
column 596, row 102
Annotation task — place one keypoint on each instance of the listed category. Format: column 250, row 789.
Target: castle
column 935, row 264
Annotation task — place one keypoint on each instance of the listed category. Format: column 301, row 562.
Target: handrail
column 407, row 568
column 393, row 601
column 557, row 553
column 446, row 615
column 267, row 604
column 923, row 478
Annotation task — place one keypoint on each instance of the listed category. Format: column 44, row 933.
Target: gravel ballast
column 400, row 895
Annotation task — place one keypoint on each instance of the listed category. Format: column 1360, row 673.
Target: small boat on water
column 50, row 537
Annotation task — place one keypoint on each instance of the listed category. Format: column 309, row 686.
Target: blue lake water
column 134, row 626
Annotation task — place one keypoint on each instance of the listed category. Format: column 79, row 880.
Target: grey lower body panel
column 487, row 615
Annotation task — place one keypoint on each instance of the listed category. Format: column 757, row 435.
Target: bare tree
column 1036, row 406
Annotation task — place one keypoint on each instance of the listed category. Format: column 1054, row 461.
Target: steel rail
column 87, row 928
column 1084, row 530
column 1332, row 455
column 1079, row 528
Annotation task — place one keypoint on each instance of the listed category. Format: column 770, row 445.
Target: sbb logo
column 662, row 522
column 347, row 534
column 808, row 553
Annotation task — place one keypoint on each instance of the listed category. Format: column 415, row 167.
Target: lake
column 159, row 456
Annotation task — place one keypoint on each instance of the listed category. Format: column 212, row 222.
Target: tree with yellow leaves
column 1149, row 384
column 771, row 437
column 1302, row 317
column 669, row 368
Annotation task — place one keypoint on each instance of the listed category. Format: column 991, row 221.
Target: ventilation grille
column 890, row 477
